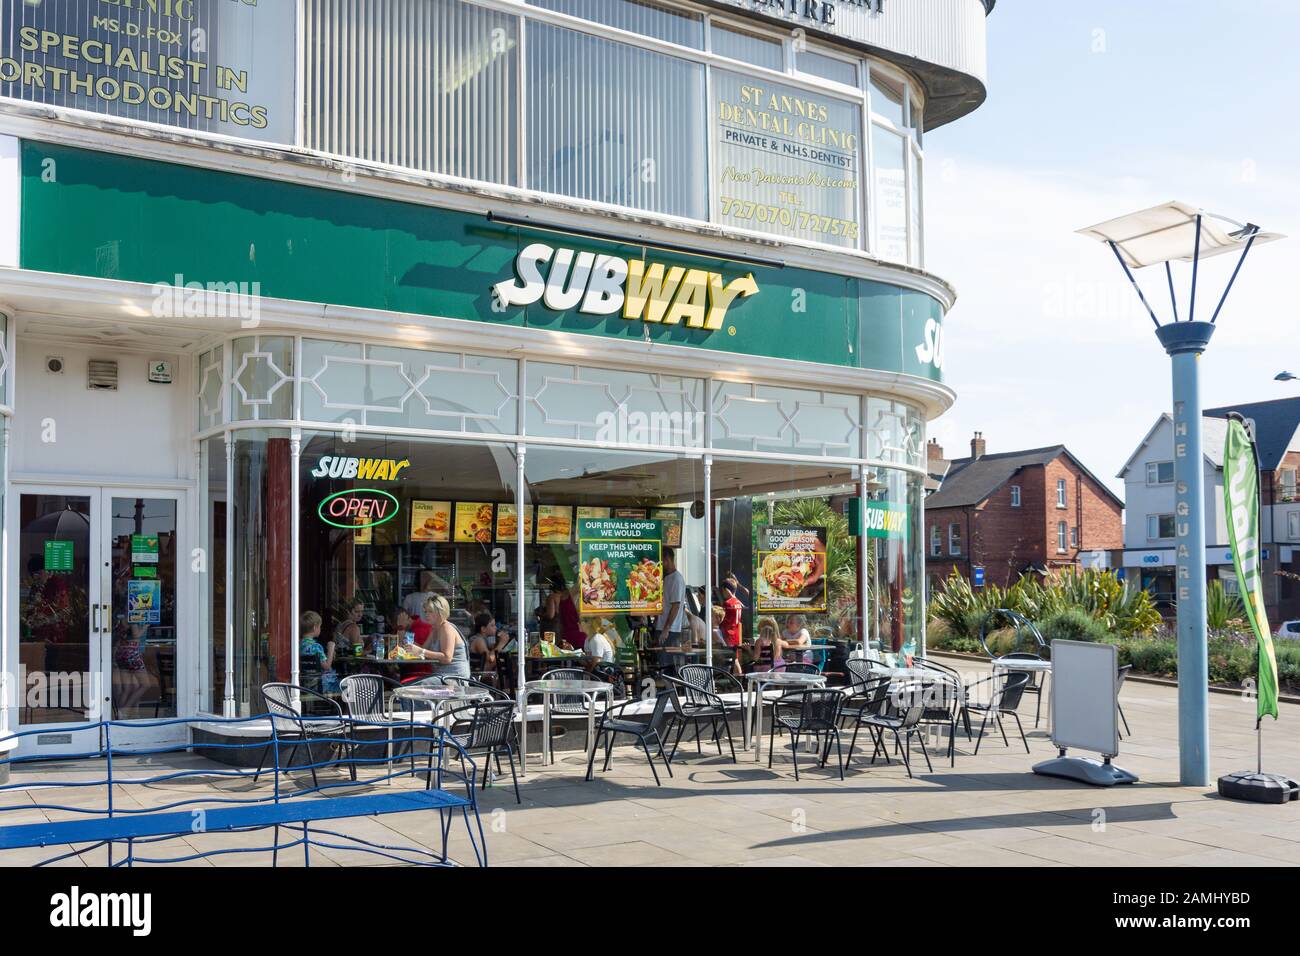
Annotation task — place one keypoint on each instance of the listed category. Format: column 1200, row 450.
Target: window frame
column 1158, row 517
column 1062, row 493
column 1156, row 465
column 936, row 541
column 1062, row 537
column 1015, row 496
column 954, row 539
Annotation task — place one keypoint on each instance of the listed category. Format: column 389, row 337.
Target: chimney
column 977, row 446
column 934, row 451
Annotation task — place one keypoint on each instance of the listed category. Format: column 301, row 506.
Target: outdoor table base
column 759, row 681
column 548, row 689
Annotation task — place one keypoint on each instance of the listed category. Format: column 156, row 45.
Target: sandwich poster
column 508, row 525
column 554, row 524
column 431, row 521
column 791, row 569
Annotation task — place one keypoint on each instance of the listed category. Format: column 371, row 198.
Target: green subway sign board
column 883, row 520
column 288, row 241
column 620, row 568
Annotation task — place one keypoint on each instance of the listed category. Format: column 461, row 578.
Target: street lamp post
column 1161, row 235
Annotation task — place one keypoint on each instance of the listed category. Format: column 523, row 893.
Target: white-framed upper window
column 1160, row 472
column 954, row 539
column 1061, row 533
column 1289, row 484
column 1061, row 487
column 1015, row 496
column 1074, row 537
column 1160, row 527
column 936, row 541
column 1293, row 525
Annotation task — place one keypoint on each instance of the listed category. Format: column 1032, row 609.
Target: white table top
column 782, row 677
column 1022, row 664
column 568, row 687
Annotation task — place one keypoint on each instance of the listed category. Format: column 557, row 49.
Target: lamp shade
column 1167, row 233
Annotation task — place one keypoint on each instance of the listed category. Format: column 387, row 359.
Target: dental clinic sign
column 821, row 13
column 638, row 289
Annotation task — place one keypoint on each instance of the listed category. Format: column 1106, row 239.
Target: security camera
column 54, row 364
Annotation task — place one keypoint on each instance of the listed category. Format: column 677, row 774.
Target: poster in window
column 143, row 601
column 620, row 568
column 508, row 525
column 431, row 521
column 586, row 511
column 474, row 521
column 632, row 513
column 788, row 160
column 672, row 521
column 365, row 533
column 554, row 524
column 791, row 569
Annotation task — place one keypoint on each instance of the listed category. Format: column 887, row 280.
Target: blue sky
column 1097, row 109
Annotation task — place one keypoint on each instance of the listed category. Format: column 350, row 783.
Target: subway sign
column 366, row 469
column 358, row 508
column 598, row 284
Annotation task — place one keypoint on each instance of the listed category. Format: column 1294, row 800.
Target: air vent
column 101, row 375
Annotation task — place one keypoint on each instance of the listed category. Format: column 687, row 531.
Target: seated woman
column 445, row 646
column 796, row 637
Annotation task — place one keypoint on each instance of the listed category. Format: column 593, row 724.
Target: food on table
column 787, row 572
column 596, row 581
column 645, row 583
column 401, row 652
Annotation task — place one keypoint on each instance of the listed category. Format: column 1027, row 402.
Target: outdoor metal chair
column 1122, row 675
column 573, row 705
column 489, row 729
column 717, row 681
column 655, row 732
column 907, row 701
column 800, row 667
column 812, row 711
column 284, row 703
column 945, row 695
column 1008, row 689
column 1038, row 652
column 496, row 692
column 1034, row 685
column 366, row 695
column 699, row 705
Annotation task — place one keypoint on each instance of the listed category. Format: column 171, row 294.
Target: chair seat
column 815, row 726
column 879, row 720
column 626, row 726
column 690, row 713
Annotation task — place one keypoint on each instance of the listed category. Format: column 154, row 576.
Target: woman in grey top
column 445, row 645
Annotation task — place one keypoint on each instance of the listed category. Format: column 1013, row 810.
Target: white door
column 98, row 603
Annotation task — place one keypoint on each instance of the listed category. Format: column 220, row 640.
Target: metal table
column 549, row 689
column 1029, row 665
column 760, row 681
column 439, row 698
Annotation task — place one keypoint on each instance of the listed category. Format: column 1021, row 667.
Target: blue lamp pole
column 1160, row 235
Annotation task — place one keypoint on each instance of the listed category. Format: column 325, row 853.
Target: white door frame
column 99, row 589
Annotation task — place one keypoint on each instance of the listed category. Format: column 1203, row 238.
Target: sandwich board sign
column 1085, row 713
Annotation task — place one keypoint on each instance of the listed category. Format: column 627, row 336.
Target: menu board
column 788, row 160
column 474, row 521
column 508, row 525
column 620, row 566
column 585, row 511
column 791, row 569
column 672, row 521
column 431, row 521
column 554, row 524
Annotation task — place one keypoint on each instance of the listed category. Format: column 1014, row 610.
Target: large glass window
column 747, row 48
column 605, row 123
column 635, row 16
column 614, row 407
column 211, row 589
column 427, row 84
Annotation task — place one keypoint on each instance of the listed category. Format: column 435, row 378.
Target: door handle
column 108, row 619
column 94, row 626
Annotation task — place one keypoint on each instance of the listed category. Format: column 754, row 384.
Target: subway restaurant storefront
column 355, row 458
column 287, row 360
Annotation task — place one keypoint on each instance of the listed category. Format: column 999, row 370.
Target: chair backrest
column 908, row 698
column 1007, row 696
column 567, row 703
column 282, row 707
column 491, row 724
column 819, row 708
column 457, row 681
column 700, row 676
column 364, row 695
column 659, row 716
column 860, row 671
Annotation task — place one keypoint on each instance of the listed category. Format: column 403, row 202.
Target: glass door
column 61, row 623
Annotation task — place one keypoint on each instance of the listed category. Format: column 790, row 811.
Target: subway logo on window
column 596, row 284
column 367, row 469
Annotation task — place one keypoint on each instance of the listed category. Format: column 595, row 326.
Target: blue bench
column 144, row 826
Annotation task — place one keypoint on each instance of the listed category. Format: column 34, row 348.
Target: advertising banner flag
column 1241, row 503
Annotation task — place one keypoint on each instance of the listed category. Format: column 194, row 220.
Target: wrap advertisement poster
column 143, row 601
column 585, row 511
column 431, row 521
column 620, row 566
column 672, row 519
column 474, row 521
column 791, row 569
column 508, row 525
column 554, row 524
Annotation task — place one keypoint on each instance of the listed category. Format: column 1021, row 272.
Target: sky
column 1095, row 110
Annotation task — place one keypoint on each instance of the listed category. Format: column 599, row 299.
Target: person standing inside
column 673, row 618
column 732, row 627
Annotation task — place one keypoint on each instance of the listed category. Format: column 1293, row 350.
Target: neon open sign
column 358, row 508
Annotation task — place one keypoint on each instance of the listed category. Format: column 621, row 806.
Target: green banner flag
column 1241, row 505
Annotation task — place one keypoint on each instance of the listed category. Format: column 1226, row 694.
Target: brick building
column 1016, row 512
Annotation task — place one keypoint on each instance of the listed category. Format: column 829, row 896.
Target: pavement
column 988, row 810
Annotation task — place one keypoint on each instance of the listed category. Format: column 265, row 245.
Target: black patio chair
column 1034, row 685
column 701, row 705
column 716, row 681
column 654, row 732
column 489, row 729
column 800, row 667
column 496, row 692
column 568, row 704
column 1122, row 675
column 1008, row 689
column 943, row 696
column 897, row 709
column 812, row 711
column 1024, row 628
column 289, row 726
